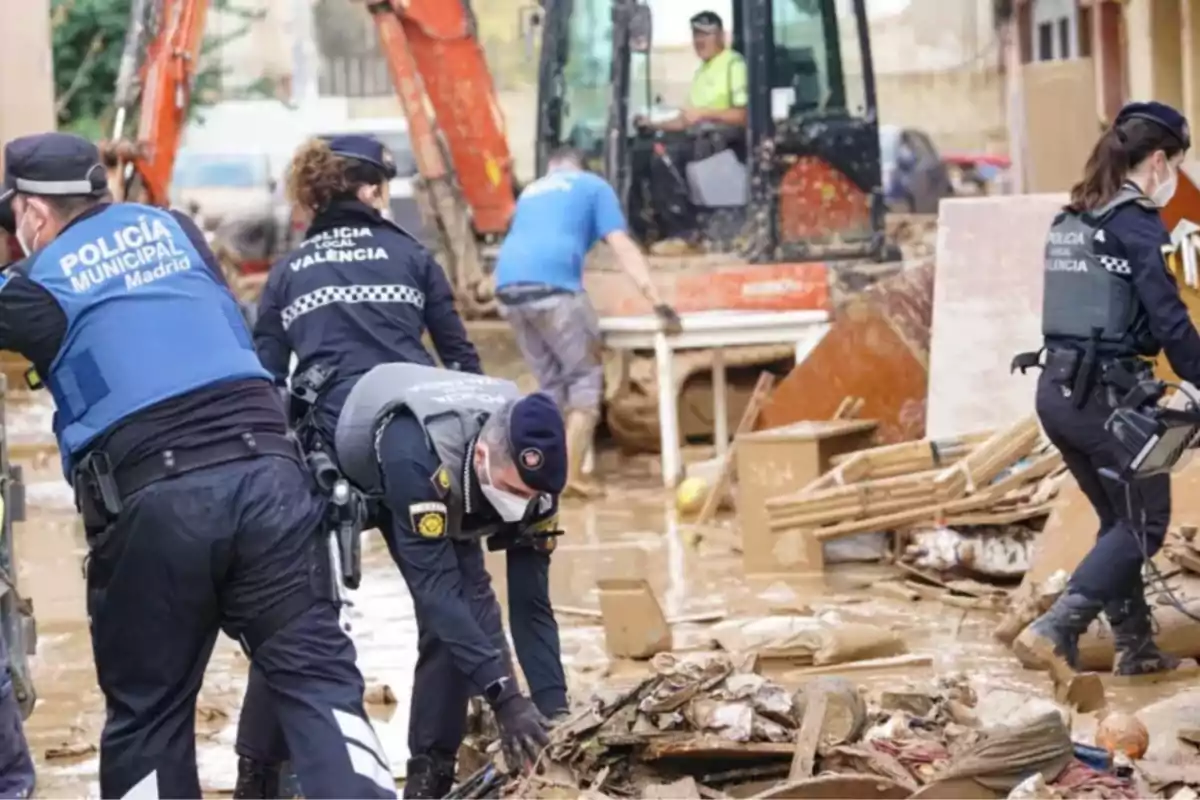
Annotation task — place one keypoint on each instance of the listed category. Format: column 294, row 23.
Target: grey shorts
column 559, row 337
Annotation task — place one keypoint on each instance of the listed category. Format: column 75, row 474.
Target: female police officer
column 1110, row 304
column 357, row 293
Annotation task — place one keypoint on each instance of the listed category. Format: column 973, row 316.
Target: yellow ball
column 690, row 495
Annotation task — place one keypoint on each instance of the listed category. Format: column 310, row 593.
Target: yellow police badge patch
column 428, row 519
column 441, row 480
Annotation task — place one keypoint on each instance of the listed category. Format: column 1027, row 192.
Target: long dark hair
column 1120, row 149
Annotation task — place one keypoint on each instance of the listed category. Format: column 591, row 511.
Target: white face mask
column 27, row 244
column 1166, row 190
column 511, row 507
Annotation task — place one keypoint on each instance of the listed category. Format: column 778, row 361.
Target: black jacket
column 358, row 292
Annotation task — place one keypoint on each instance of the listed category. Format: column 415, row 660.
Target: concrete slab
column 987, row 306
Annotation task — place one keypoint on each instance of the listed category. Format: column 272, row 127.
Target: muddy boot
column 1051, row 642
column 428, row 777
column 581, row 430
column 256, row 780
column 1133, row 637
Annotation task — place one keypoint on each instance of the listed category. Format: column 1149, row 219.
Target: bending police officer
column 342, row 307
column 456, row 458
column 198, row 511
column 1111, row 305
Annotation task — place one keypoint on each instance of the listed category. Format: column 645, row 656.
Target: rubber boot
column 581, row 430
column 428, row 777
column 1133, row 637
column 256, row 779
column 1051, row 642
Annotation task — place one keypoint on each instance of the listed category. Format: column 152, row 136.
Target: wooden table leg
column 720, row 403
column 668, row 410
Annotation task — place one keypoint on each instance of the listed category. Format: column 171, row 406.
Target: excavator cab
column 800, row 181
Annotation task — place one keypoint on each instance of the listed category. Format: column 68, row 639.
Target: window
column 587, row 73
column 1056, row 25
column 220, row 171
column 1045, row 42
column 808, row 56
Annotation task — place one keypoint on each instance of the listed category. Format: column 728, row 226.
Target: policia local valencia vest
column 1089, row 296
column 146, row 321
column 451, row 407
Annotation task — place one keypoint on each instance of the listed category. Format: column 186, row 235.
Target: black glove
column 670, row 320
column 523, row 731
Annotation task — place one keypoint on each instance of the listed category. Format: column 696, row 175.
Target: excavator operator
column 714, row 120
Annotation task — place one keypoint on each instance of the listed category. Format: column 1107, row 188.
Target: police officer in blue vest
column 1110, row 306
column 199, row 512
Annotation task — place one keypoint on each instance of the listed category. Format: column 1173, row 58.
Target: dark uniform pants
column 1112, row 570
column 16, row 765
column 437, row 720
column 659, row 191
column 211, row 550
column 438, row 710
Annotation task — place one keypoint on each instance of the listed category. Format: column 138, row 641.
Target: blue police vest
column 146, row 321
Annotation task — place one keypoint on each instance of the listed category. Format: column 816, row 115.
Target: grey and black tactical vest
column 1087, row 294
column 451, row 408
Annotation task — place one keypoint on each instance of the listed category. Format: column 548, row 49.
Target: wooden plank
column 762, row 391
column 891, row 662
column 999, row 517
column 804, row 757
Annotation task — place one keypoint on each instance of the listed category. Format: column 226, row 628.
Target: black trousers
column 659, row 196
column 206, row 551
column 1133, row 518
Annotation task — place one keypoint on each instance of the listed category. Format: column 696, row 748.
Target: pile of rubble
column 711, row 726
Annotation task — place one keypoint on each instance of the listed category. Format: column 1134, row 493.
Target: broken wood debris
column 710, row 727
column 1002, row 478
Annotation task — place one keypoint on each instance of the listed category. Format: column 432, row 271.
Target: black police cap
column 1162, row 115
column 50, row 165
column 707, row 22
column 364, row 149
column 539, row 443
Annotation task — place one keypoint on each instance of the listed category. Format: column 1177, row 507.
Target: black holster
column 1086, row 374
column 347, row 517
column 97, row 496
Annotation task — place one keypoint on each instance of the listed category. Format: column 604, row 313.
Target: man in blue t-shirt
column 539, row 282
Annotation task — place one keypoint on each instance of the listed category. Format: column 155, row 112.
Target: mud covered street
column 632, row 532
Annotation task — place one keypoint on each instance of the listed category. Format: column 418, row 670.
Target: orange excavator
column 458, row 136
column 157, row 72
column 804, row 187
column 799, row 202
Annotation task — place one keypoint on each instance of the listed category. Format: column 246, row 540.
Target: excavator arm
column 140, row 170
column 454, row 120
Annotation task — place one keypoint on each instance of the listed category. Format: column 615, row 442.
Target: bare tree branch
column 81, row 74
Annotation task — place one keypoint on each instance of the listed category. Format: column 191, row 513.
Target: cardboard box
column 634, row 625
column 779, row 461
